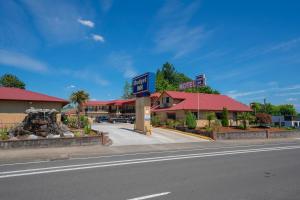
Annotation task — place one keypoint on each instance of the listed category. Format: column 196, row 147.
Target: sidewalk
column 61, row 153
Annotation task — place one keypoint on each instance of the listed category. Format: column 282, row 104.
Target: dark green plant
column 190, row 120
column 224, row 120
column 170, row 123
column 87, row 129
column 245, row 117
column 155, row 121
column 210, row 116
column 4, row 134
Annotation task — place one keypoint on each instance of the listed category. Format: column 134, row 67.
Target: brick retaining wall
column 56, row 142
column 256, row 135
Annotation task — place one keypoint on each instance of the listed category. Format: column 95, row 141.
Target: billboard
column 144, row 84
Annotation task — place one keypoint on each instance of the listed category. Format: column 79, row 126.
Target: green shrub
column 162, row 123
column 170, row 123
column 209, row 129
column 72, row 122
column 225, row 121
column 190, row 120
column 4, row 134
column 87, row 129
column 77, row 134
column 216, row 125
column 155, row 121
column 210, row 117
column 84, row 121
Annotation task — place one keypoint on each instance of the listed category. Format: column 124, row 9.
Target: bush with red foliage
column 263, row 118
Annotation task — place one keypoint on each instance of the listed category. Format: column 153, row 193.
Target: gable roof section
column 207, row 102
column 16, row 94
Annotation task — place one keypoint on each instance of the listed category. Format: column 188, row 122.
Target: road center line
column 8, row 174
column 150, row 196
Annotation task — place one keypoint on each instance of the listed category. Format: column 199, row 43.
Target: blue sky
column 249, row 50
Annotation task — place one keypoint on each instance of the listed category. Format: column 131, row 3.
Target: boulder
column 68, row 134
column 32, row 137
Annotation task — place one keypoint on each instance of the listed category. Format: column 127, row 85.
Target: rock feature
column 40, row 122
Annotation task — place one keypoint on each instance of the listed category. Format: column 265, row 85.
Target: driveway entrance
column 123, row 134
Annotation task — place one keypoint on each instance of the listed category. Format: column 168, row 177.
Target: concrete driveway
column 123, row 134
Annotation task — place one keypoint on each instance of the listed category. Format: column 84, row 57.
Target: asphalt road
column 270, row 171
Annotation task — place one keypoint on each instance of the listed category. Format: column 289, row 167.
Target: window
column 167, row 99
column 171, row 116
column 196, row 114
column 219, row 115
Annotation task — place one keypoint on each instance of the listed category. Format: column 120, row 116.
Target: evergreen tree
column 10, row 80
column 224, row 120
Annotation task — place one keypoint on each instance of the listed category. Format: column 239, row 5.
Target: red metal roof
column 207, row 102
column 16, row 94
column 119, row 102
column 97, row 103
column 155, row 95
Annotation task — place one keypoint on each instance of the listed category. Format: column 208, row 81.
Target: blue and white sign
column 199, row 82
column 144, row 84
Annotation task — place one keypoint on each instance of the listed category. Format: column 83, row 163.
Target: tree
column 245, row 117
column 263, row 118
column 10, row 80
column 167, row 78
column 190, row 120
column 210, row 116
column 224, row 120
column 127, row 93
column 287, row 110
column 79, row 98
column 268, row 108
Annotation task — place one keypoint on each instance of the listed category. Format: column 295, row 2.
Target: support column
column 143, row 115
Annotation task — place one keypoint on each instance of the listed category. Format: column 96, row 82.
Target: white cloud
column 84, row 74
column 288, row 94
column 122, row 62
column 71, row 86
column 98, row 38
column 283, row 46
column 291, row 99
column 18, row 60
column 175, row 34
column 87, row 23
column 235, row 94
column 56, row 22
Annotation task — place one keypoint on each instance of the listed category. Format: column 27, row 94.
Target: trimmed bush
column 190, row 120
column 224, row 120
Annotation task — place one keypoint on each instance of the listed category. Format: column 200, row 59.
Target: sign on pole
column 144, row 84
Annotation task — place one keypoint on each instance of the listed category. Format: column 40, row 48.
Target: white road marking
column 144, row 153
column 47, row 170
column 150, row 196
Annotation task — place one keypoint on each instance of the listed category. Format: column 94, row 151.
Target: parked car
column 122, row 119
column 101, row 119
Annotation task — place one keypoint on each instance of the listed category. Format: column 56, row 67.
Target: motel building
column 173, row 105
column 14, row 102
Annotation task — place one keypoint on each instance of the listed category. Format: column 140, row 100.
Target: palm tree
column 79, row 98
column 210, row 116
column 245, row 117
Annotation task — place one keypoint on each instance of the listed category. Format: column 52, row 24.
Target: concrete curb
column 189, row 134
